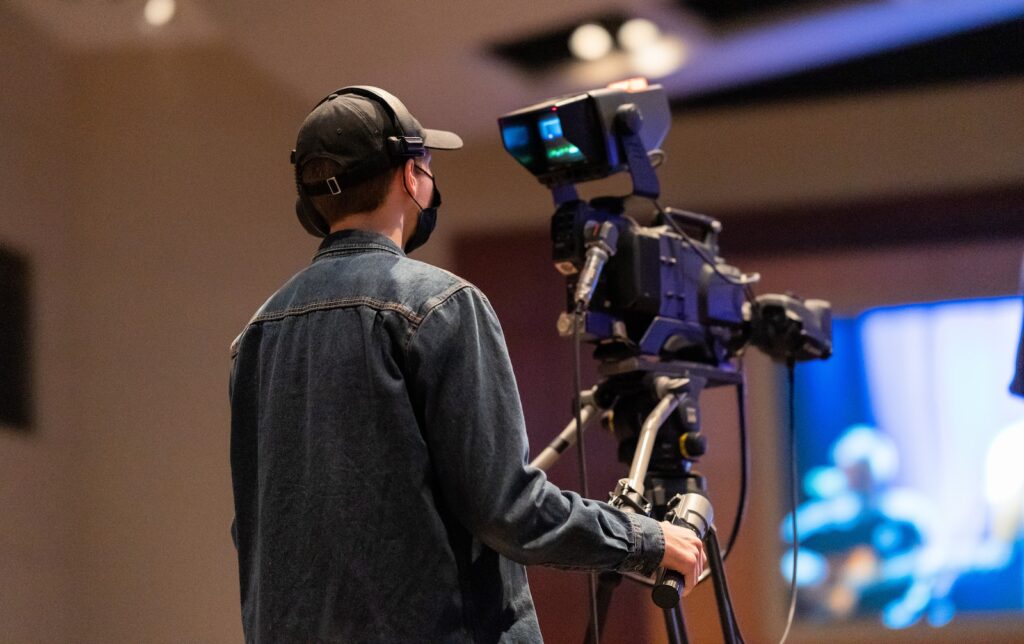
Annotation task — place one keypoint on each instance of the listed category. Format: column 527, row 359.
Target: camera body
column 657, row 296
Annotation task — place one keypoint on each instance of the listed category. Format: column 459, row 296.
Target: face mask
column 427, row 217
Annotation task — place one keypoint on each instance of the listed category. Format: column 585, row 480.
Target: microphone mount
column 601, row 241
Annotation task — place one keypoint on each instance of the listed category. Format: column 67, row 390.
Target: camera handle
column 693, row 510
column 627, row 125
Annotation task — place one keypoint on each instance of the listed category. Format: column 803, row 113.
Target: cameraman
column 378, row 452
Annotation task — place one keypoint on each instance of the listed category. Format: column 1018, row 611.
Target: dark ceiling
column 545, row 49
column 723, row 12
column 977, row 55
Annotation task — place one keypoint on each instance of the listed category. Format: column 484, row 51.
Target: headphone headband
column 407, row 145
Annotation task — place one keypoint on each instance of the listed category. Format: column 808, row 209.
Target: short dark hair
column 363, row 195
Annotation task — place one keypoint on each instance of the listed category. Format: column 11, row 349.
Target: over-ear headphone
column 407, row 144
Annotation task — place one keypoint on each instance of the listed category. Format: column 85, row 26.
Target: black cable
column 740, row 388
column 741, row 505
column 581, row 460
column 790, row 368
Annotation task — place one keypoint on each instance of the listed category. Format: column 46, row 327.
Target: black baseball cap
column 365, row 130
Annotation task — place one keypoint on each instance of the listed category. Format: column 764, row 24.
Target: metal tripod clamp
column 692, row 511
column 629, row 500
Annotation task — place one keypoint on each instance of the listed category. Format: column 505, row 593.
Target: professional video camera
column 665, row 292
column 667, row 315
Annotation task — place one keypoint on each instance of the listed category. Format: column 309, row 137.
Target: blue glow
column 824, row 482
column 811, row 568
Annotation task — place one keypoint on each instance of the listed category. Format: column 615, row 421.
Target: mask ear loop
column 433, row 185
column 426, row 218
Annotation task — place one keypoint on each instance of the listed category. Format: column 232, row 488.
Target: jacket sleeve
column 468, row 406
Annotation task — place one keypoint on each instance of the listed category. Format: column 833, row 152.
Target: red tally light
column 554, row 108
column 630, row 84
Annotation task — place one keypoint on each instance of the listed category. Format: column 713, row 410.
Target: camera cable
column 581, row 459
column 741, row 504
column 790, row 369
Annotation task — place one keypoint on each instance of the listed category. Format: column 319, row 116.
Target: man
column 378, row 450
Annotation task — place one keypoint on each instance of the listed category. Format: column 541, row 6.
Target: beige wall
column 39, row 521
column 182, row 229
column 153, row 193
column 933, row 140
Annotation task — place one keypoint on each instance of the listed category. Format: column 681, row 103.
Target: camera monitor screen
column 911, row 462
column 537, row 140
column 557, row 148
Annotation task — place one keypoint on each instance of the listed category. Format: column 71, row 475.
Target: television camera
column 668, row 317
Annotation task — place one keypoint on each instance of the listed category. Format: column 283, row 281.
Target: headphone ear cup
column 304, row 210
column 310, row 218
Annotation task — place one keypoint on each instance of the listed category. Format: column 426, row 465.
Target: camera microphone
column 601, row 240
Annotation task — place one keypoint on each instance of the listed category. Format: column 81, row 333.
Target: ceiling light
column 660, row 58
column 159, row 12
column 589, row 42
column 638, row 33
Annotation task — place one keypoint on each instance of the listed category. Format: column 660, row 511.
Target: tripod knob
column 693, row 445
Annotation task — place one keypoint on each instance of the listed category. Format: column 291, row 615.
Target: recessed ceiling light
column 660, row 58
column 638, row 33
column 590, row 42
column 159, row 12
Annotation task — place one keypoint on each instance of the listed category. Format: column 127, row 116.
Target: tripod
column 661, row 482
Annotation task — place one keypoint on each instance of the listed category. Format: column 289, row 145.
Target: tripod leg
column 607, row 582
column 725, row 615
column 675, row 625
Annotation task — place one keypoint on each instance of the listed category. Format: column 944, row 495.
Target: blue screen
column 911, row 459
column 557, row 148
column 550, row 127
column 515, row 136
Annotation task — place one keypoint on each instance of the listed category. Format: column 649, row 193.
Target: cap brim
column 441, row 140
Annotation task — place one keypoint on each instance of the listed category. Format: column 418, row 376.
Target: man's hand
column 684, row 553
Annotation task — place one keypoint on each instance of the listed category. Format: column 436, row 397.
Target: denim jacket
column 379, row 464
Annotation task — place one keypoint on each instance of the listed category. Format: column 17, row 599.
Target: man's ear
column 409, row 177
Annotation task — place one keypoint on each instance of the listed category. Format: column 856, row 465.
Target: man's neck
column 375, row 221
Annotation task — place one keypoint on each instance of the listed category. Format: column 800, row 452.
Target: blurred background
column 867, row 153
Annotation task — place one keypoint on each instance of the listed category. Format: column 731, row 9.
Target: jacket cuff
column 647, row 547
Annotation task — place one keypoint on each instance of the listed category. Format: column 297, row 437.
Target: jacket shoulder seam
column 438, row 302
column 338, row 303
